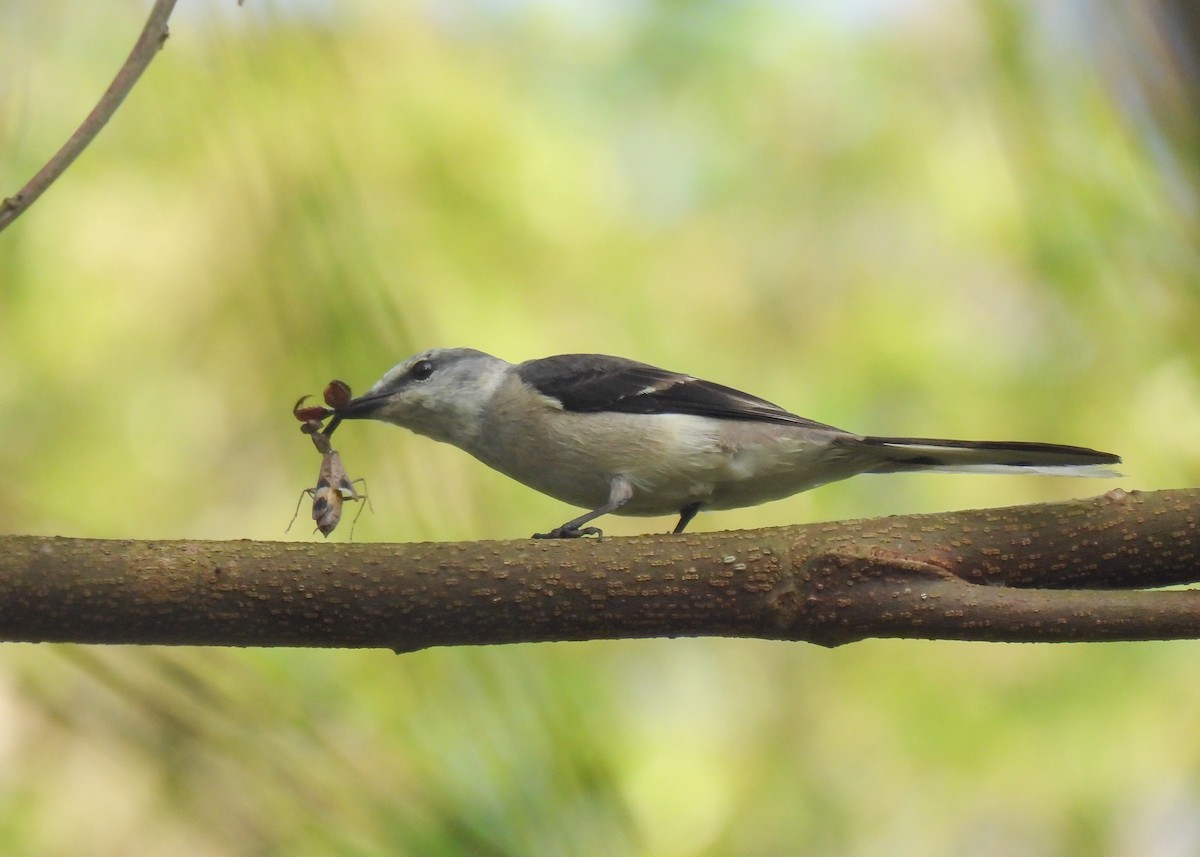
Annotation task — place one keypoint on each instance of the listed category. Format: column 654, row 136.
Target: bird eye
column 421, row 370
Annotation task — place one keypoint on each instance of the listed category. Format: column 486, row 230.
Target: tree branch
column 1017, row 574
column 153, row 35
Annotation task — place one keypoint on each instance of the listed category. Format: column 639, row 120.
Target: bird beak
column 360, row 408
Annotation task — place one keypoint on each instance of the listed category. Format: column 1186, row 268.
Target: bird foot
column 566, row 532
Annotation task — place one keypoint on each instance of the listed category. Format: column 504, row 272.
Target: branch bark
column 154, row 34
column 1051, row 572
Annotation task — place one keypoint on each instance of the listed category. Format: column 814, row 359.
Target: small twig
column 153, row 35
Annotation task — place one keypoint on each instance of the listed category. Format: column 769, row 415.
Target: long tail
column 900, row 454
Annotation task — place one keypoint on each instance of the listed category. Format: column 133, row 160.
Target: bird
column 616, row 436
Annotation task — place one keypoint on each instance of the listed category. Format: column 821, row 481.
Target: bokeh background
column 907, row 217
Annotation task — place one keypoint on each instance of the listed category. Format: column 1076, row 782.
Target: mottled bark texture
column 1030, row 573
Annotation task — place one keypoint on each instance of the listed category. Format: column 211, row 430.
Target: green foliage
column 932, row 221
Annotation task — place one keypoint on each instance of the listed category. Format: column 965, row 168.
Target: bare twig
column 1031, row 573
column 153, row 35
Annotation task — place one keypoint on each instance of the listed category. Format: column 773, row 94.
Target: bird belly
column 764, row 463
column 730, row 464
column 671, row 460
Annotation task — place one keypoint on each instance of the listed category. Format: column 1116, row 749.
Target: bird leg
column 620, row 492
column 686, row 514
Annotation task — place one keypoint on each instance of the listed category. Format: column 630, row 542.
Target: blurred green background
column 918, row 217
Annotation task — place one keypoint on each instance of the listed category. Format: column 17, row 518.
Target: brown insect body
column 334, row 486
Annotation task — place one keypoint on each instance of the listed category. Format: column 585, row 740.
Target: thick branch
column 152, row 37
column 995, row 574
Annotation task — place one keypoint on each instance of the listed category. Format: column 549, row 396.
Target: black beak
column 360, row 408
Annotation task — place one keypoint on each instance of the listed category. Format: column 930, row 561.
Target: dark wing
column 590, row 383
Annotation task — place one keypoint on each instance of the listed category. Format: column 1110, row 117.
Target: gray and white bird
column 613, row 435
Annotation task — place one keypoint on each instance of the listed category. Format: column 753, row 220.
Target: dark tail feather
column 900, row 454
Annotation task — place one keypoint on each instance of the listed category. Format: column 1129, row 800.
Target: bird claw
column 570, row 533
